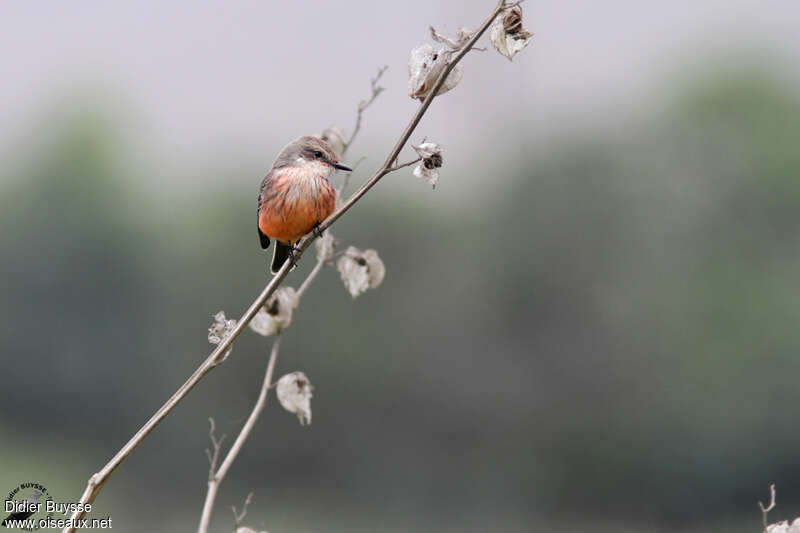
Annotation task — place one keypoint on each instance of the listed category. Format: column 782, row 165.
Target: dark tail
column 280, row 256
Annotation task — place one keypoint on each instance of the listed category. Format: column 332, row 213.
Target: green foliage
column 614, row 331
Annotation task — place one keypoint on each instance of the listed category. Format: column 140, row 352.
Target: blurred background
column 591, row 324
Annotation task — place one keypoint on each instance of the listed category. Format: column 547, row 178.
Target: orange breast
column 293, row 203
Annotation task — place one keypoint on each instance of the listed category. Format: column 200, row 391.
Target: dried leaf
column 326, row 246
column 376, row 270
column 360, row 270
column 428, row 169
column 276, row 314
column 424, row 68
column 508, row 36
column 457, row 42
column 785, row 527
column 294, row 393
column 220, row 328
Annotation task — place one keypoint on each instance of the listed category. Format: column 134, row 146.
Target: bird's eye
column 317, row 154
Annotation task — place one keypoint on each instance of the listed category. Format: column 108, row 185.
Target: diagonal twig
column 217, row 475
column 765, row 510
column 238, row 517
column 97, row 480
column 364, row 104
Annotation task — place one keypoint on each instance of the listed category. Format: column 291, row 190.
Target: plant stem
column 97, row 480
column 219, row 475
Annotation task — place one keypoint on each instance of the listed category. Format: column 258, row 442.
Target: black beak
column 341, row 167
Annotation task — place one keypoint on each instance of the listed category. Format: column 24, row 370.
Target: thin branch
column 97, row 480
column 462, row 37
column 398, row 167
column 412, row 125
column 216, row 477
column 765, row 510
column 346, row 180
column 311, row 276
column 219, row 475
column 364, row 104
column 217, row 444
column 238, row 517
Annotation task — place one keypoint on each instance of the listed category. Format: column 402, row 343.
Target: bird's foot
column 292, row 250
column 316, row 231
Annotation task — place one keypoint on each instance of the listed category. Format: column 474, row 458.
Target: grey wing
column 263, row 238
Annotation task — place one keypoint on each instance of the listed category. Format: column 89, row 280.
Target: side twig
column 97, row 480
column 307, row 282
column 364, row 104
column 399, row 166
column 765, row 510
column 217, row 477
column 213, row 457
column 238, row 517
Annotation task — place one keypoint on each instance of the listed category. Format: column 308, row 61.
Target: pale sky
column 195, row 75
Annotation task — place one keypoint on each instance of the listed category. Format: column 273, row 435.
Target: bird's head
column 309, row 150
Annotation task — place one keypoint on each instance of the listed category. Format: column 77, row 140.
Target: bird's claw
column 316, row 231
column 292, row 250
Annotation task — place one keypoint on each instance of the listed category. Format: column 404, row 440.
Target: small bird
column 295, row 195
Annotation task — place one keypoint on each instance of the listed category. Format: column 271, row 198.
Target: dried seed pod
column 276, row 314
column 508, row 36
column 424, row 68
column 360, row 270
column 457, row 42
column 294, row 394
column 428, row 169
column 220, row 328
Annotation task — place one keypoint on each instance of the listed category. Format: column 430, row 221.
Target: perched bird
column 295, row 195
